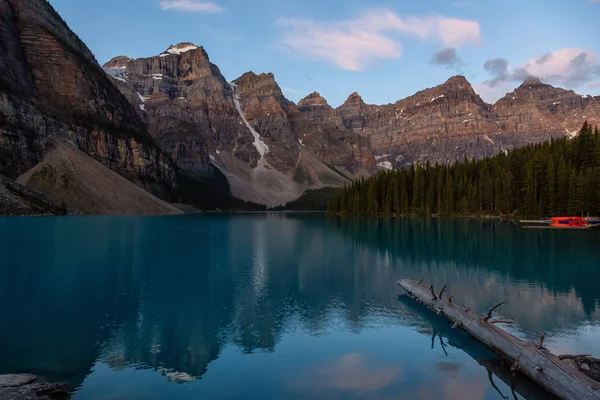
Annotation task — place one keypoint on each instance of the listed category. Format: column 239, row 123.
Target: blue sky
column 382, row 49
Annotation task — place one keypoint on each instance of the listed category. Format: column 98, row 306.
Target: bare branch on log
column 432, row 292
column 421, row 281
column 442, row 291
column 489, row 313
column 450, row 299
column 540, row 345
column 572, row 356
column 544, row 368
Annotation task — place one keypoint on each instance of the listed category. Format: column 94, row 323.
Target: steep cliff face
column 186, row 103
column 319, row 127
column 430, row 125
column 52, row 87
column 264, row 107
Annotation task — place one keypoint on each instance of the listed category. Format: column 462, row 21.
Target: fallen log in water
column 533, row 360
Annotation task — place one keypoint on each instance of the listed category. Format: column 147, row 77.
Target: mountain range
column 172, row 129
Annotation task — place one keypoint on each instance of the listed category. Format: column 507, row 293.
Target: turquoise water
column 282, row 306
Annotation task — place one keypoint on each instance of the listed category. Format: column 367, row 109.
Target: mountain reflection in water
column 282, row 304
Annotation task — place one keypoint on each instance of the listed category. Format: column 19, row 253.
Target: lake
column 273, row 306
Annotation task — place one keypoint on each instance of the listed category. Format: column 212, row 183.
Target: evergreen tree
column 558, row 177
column 397, row 208
column 372, row 204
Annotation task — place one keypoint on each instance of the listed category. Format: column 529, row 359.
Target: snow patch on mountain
column 386, row 165
column 261, row 146
column 175, row 50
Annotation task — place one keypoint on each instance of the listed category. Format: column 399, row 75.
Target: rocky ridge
column 450, row 122
column 245, row 128
column 440, row 124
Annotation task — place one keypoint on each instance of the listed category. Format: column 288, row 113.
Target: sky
column 383, row 49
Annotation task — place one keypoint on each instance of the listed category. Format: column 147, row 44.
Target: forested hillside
column 561, row 176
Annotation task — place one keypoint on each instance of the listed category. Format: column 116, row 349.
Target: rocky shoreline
column 28, row 387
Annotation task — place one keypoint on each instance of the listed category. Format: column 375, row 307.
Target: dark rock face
column 25, row 387
column 264, row 107
column 52, row 87
column 427, row 126
column 187, row 105
column 16, row 200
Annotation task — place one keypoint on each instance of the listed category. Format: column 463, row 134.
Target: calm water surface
column 282, row 306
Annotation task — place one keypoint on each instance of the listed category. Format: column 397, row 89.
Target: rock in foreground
column 26, row 387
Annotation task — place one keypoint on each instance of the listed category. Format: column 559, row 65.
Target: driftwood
column 531, row 359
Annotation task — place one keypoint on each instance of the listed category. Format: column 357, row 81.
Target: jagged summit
column 182, row 48
column 532, row 81
column 457, row 80
column 117, row 62
column 354, row 98
column 252, row 76
column 313, row 99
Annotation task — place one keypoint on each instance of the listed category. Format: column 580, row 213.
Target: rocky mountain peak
column 535, row 90
column 458, row 81
column 250, row 76
column 354, row 98
column 182, row 48
column 313, row 99
column 532, row 81
column 117, row 62
column 185, row 48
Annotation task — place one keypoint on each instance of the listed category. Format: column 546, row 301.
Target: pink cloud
column 568, row 68
column 351, row 373
column 355, row 44
column 191, row 6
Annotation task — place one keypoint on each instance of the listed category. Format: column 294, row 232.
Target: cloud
column 351, row 373
column 355, row 44
column 191, row 6
column 448, row 58
column 569, row 68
